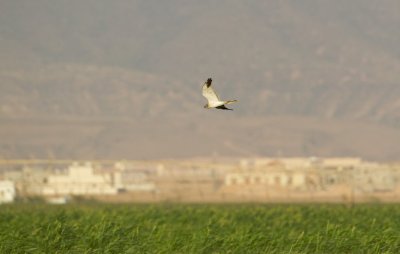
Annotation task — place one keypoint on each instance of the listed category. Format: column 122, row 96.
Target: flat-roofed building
column 79, row 180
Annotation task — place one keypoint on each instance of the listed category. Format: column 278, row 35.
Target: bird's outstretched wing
column 223, row 107
column 208, row 91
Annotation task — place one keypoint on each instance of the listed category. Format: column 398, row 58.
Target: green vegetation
column 96, row 228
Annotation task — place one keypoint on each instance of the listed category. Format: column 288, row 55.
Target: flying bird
column 212, row 97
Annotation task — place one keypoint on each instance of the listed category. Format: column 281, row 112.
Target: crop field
column 168, row 228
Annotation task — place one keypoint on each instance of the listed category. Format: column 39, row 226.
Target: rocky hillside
column 110, row 65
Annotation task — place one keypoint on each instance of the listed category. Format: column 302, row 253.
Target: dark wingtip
column 209, row 80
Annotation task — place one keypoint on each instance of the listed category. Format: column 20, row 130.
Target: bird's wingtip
column 209, row 80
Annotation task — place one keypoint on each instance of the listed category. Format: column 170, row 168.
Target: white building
column 7, row 192
column 79, row 180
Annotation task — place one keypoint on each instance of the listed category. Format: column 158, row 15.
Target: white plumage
column 212, row 97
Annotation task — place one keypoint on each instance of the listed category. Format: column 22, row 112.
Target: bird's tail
column 231, row 101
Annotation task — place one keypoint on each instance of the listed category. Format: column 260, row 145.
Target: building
column 7, row 192
column 79, row 180
column 135, row 180
column 274, row 176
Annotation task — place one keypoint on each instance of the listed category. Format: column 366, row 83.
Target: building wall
column 269, row 179
column 7, row 192
column 79, row 180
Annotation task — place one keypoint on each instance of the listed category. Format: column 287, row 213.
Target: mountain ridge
column 142, row 64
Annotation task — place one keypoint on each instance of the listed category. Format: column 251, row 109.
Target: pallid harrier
column 212, row 97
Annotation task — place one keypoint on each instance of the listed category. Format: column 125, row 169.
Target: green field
column 199, row 229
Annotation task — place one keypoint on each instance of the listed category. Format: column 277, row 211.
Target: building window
column 331, row 180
